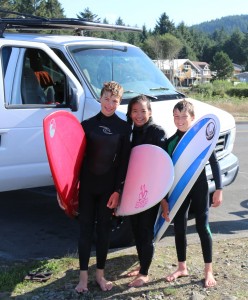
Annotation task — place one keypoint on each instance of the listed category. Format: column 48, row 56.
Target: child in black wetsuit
column 198, row 199
column 144, row 132
column 102, row 177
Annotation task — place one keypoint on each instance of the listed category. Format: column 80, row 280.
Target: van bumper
column 229, row 166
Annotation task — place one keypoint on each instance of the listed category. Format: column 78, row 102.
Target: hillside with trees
column 229, row 24
column 166, row 40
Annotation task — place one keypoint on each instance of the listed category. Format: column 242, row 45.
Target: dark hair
column 137, row 99
column 186, row 106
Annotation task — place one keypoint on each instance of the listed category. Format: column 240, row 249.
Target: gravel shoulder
column 230, row 261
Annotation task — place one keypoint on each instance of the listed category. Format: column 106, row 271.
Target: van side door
column 34, row 82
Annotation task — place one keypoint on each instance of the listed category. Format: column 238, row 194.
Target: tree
column 50, row 9
column 234, row 47
column 5, row 5
column 164, row 25
column 25, row 6
column 222, row 65
column 164, row 46
column 89, row 16
column 245, row 49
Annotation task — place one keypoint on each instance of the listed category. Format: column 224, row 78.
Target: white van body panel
column 23, row 160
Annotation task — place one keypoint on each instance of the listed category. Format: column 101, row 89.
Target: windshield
column 129, row 66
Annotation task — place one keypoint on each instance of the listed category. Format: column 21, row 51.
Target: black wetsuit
column 198, row 200
column 143, row 223
column 103, row 172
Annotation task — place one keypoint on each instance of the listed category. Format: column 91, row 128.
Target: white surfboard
column 189, row 158
column 149, row 177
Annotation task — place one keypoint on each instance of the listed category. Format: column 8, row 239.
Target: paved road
column 33, row 226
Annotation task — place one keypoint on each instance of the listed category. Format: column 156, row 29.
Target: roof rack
column 30, row 22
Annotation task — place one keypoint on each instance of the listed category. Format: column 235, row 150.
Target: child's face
column 183, row 120
column 109, row 103
column 140, row 113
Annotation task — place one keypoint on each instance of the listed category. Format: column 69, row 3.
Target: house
column 184, row 72
column 237, row 69
column 206, row 73
column 242, row 77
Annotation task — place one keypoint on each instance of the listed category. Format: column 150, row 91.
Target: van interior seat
column 44, row 78
column 31, row 91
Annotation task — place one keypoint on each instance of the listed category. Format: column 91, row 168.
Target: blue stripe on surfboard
column 186, row 139
column 184, row 180
column 179, row 188
column 159, row 223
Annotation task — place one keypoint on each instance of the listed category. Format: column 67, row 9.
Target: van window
column 32, row 77
column 129, row 66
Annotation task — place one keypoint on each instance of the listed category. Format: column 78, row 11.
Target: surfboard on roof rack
column 30, row 22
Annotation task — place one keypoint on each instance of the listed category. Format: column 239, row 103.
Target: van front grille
column 221, row 143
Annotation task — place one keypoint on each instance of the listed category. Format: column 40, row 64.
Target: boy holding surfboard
column 197, row 198
column 102, row 176
column 145, row 131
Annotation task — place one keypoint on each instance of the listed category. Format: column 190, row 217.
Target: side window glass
column 35, row 79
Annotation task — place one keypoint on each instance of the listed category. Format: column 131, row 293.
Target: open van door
column 35, row 83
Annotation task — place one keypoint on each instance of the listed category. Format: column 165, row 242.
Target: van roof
column 51, row 39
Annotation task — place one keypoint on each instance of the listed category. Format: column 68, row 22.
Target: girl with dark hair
column 145, row 131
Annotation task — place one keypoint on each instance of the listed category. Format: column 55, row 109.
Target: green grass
column 12, row 276
column 238, row 107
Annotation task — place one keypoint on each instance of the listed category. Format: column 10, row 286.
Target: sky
column 145, row 12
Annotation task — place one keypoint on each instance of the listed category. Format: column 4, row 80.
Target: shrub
column 238, row 92
column 205, row 89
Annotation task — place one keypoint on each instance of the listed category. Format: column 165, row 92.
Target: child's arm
column 217, row 198
column 165, row 209
column 218, row 194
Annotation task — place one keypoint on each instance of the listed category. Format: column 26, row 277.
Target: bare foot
column 134, row 272
column 209, row 277
column 178, row 273
column 209, row 280
column 139, row 280
column 104, row 284
column 82, row 286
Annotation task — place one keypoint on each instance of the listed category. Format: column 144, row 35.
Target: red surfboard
column 65, row 145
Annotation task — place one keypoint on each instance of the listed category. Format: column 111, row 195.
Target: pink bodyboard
column 65, row 145
column 149, row 177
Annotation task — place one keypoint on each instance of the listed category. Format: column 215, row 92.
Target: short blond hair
column 113, row 87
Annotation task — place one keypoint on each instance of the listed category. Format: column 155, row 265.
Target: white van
column 43, row 73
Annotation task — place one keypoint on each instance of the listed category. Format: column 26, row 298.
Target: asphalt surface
column 33, row 226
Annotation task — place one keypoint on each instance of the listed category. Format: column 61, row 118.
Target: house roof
column 200, row 64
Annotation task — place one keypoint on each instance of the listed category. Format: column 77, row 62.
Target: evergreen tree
column 120, row 22
column 245, row 49
column 25, row 6
column 50, row 9
column 234, row 47
column 222, row 65
column 144, row 35
column 88, row 16
column 220, row 36
column 5, row 5
column 164, row 25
